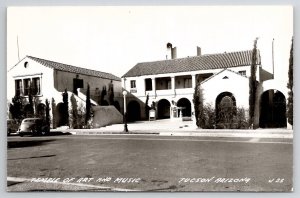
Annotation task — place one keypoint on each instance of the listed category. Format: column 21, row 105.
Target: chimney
column 198, row 51
column 171, row 51
column 174, row 52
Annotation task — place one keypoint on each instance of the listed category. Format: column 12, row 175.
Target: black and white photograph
column 150, row 98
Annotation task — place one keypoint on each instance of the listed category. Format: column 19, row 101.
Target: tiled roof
column 74, row 69
column 195, row 63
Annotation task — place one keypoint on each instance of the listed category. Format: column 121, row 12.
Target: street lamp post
column 125, row 112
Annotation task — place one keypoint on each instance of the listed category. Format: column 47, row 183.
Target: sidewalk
column 178, row 128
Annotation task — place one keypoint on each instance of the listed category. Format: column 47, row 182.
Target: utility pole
column 273, row 57
column 18, row 47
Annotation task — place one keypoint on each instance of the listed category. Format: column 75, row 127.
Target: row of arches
column 163, row 109
column 272, row 109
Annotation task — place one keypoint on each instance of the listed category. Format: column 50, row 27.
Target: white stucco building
column 170, row 84
column 49, row 79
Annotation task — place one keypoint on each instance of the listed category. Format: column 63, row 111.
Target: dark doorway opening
column 272, row 110
column 186, row 104
column 163, row 109
column 133, row 111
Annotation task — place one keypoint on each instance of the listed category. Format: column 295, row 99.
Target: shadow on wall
column 106, row 115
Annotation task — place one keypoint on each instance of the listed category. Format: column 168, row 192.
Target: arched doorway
column 163, row 109
column 41, row 110
column 133, row 111
column 62, row 119
column 272, row 109
column 225, row 110
column 186, row 107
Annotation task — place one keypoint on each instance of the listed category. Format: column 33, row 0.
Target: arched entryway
column 185, row 104
column 225, row 110
column 133, row 111
column 163, row 109
column 62, row 119
column 41, row 110
column 272, row 109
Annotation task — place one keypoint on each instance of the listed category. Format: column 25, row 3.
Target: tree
column 253, row 84
column 147, row 108
column 198, row 105
column 16, row 108
column 37, row 101
column 103, row 93
column 66, row 107
column 111, row 93
column 74, row 112
column 30, row 112
column 53, row 105
column 290, row 86
column 87, row 105
column 47, row 113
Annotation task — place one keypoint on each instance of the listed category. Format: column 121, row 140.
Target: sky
column 114, row 39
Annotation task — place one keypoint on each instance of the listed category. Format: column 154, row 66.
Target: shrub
column 233, row 118
column 74, row 113
column 198, row 105
column 53, row 107
column 209, row 117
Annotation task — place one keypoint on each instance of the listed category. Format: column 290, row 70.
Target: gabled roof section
column 204, row 62
column 207, row 79
column 74, row 69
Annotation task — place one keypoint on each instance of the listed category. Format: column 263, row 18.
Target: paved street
column 149, row 162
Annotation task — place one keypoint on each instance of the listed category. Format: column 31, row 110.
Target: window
column 26, row 86
column 26, row 64
column 132, row 84
column 187, row 83
column 243, row 72
column 169, row 84
column 77, row 83
column 148, row 84
column 36, row 86
column 18, row 85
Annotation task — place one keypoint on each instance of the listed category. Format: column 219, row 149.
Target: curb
column 196, row 134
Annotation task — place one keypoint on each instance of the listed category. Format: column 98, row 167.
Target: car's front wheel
column 44, row 131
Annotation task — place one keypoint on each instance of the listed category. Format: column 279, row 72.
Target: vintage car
column 12, row 126
column 33, row 126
